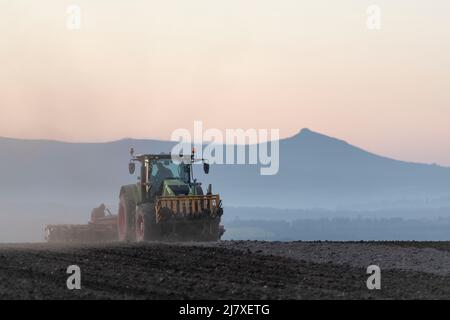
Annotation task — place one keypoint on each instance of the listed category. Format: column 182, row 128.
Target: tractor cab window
column 166, row 169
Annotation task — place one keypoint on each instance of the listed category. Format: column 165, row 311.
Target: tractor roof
column 154, row 156
column 161, row 156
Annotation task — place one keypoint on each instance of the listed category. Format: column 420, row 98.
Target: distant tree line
column 340, row 229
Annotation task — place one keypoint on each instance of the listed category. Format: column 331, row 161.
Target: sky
column 145, row 68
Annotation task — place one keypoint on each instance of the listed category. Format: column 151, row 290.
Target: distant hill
column 315, row 171
column 44, row 182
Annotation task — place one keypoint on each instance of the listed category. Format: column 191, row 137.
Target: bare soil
column 226, row 270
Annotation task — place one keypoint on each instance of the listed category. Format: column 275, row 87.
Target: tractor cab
column 162, row 176
column 170, row 179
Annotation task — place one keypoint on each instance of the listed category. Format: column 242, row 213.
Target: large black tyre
column 126, row 219
column 146, row 227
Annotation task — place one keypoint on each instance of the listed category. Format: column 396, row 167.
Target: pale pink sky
column 145, row 68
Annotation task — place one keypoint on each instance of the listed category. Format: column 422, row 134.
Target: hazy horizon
column 206, row 142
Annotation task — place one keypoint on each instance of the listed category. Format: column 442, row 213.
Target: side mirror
column 206, row 167
column 131, row 167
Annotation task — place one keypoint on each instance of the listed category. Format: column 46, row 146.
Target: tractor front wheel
column 146, row 228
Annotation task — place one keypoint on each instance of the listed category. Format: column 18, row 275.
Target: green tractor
column 167, row 203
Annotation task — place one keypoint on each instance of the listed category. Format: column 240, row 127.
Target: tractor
column 166, row 204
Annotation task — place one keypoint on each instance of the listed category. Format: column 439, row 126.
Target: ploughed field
column 227, row 270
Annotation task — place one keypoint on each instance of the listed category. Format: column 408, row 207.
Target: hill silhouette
column 315, row 171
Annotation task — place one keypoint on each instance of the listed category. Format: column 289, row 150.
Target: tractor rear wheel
column 126, row 217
